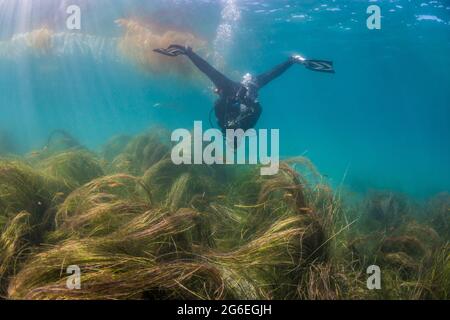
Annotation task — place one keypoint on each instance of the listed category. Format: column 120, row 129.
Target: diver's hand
column 298, row 59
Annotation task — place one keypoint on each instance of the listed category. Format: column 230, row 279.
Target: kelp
column 386, row 210
column 151, row 256
column 28, row 200
column 74, row 168
column 27, row 207
column 409, row 252
column 139, row 40
column 143, row 258
column 177, row 186
column 273, row 260
column 58, row 141
column 119, row 230
column 100, row 207
column 12, row 243
column 438, row 214
column 40, row 40
column 157, row 247
column 61, row 140
column 24, row 189
column 256, row 202
column 140, row 227
column 435, row 277
column 114, row 146
column 406, row 278
column 140, row 153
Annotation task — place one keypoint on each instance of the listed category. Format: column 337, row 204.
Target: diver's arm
column 267, row 77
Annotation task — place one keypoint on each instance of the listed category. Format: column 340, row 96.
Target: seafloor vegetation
column 140, row 227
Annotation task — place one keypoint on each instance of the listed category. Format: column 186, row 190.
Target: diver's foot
column 178, row 49
column 174, row 50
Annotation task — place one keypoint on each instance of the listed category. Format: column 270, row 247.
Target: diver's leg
column 314, row 65
column 267, row 77
column 220, row 81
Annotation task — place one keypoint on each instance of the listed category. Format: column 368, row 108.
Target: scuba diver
column 238, row 106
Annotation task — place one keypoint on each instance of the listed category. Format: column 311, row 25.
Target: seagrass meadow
column 139, row 227
column 93, row 206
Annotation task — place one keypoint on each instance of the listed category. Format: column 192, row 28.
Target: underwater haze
column 380, row 122
column 93, row 205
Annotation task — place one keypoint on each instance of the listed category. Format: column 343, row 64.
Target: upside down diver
column 237, row 106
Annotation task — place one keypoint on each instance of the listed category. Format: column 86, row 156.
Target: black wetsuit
column 237, row 106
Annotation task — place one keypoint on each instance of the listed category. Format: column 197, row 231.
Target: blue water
column 382, row 121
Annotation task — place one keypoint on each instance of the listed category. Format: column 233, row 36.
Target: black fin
column 172, row 51
column 164, row 52
column 319, row 65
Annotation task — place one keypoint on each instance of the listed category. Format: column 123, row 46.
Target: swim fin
column 172, row 51
column 319, row 65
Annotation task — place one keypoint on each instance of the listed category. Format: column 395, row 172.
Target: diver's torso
column 240, row 110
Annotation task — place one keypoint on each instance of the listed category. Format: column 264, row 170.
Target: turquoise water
column 382, row 121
